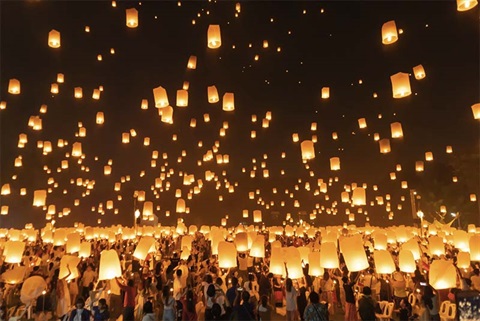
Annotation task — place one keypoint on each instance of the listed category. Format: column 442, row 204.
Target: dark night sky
column 335, row 48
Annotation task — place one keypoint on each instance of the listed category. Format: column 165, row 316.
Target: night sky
column 310, row 45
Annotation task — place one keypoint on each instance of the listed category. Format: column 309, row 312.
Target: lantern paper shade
column 475, row 247
column 258, row 247
column 132, row 18
column 13, row 251
column 72, row 262
column 335, row 163
column 359, row 196
column 73, row 243
column 354, row 253
column 400, row 85
column 383, row 262
column 419, row 72
column 436, row 245
column 228, row 102
column 182, row 98
column 277, row 265
column 110, row 267
column 144, row 247
column 294, row 263
column 180, row 208
column 14, row 86
column 160, row 97
column 85, row 249
column 214, row 38
column 464, row 5
column 461, row 240
column 314, row 268
column 412, row 245
column 39, row 198
column 54, row 39
column 463, row 260
column 442, row 275
column 212, row 93
column 397, row 131
column 475, row 110
column 15, row 275
column 227, row 255
column 406, row 261
column 325, row 92
column 308, row 150
column 389, row 32
column 192, row 62
column 384, row 145
column 257, row 216
column 241, row 242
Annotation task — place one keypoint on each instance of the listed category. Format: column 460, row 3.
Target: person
column 366, row 305
column 302, row 301
column 405, row 311
column 148, row 314
column 3, row 313
column 242, row 307
column 264, row 309
column 475, row 279
column 430, row 300
column 88, row 280
column 189, row 312
column 63, row 294
column 277, row 293
column 232, row 291
column 129, row 299
column 100, row 312
column 291, row 299
column 350, row 309
column 399, row 285
column 80, row 313
column 168, row 304
column 315, row 311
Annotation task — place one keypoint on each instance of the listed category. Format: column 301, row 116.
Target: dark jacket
column 366, row 308
column 85, row 315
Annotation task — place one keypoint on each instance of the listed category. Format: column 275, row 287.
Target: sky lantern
column 214, row 38
column 353, row 253
column 419, row 72
column 192, row 62
column 389, row 32
column 419, row 166
column 14, row 86
column 5, row 189
column 359, row 196
column 77, row 149
column 100, row 118
column 167, row 115
column 85, row 249
column 160, row 97
column 212, row 94
column 258, row 247
column 182, row 98
column 314, row 268
column 54, row 39
column 257, row 216
column 400, row 85
column 442, row 275
column 335, row 163
column 474, row 243
column 227, row 255
column 39, row 198
column 60, row 78
column 461, row 240
column 277, row 265
column 145, row 246
column 475, row 109
column 228, row 102
column 406, row 261
column 383, row 262
column 396, row 129
column 78, row 92
column 180, row 208
column 464, row 5
column 132, row 18
column 73, row 242
column 362, row 123
column 54, row 88
column 110, row 267
column 13, row 251
column 328, row 255
column 325, row 92
column 473, row 197
column 241, row 242
column 308, row 150
column 384, row 145
column 429, row 156
column 463, row 260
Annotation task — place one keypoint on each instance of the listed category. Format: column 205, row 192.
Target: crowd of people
column 167, row 286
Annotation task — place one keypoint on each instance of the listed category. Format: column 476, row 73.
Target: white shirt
column 291, row 299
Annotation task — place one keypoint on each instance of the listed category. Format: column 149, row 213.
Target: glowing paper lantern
column 13, row 251
column 389, row 32
column 362, row 123
column 258, row 247
column 228, row 102
column 461, row 240
column 132, row 18
column 354, row 253
column 257, row 216
column 54, row 39
column 192, row 62
column 212, row 94
column 214, row 38
column 85, row 249
column 436, row 245
column 328, row 255
column 400, row 85
column 182, row 98
column 100, row 118
column 308, row 150
column 167, row 115
column 227, row 255
column 277, row 265
column 397, row 131
column 464, row 5
column 406, row 261
column 383, row 262
column 39, row 198
column 14, row 86
column 412, row 246
column 145, row 246
column 110, row 267
column 419, row 166
column 442, row 275
column 325, row 92
column 180, row 208
column 15, row 275
column 384, row 145
column 73, row 243
column 241, row 242
column 419, row 72
column 475, row 110
column 294, row 263
column 463, row 260
column 474, row 243
column 359, row 196
column 335, row 163
column 160, row 97
column 314, row 268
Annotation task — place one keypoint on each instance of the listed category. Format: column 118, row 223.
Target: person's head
column 166, row 291
column 130, row 283
column 289, row 285
column 251, row 277
column 245, row 296
column 234, row 282
column 102, row 303
column 367, row 290
column 264, row 300
column 209, row 278
column 148, row 307
column 303, row 291
column 345, row 279
column 476, row 271
column 211, row 290
column 314, row 297
column 80, row 303
column 216, row 311
column 270, row 275
column 190, row 301
column 219, row 281
column 178, row 273
column 326, row 276
column 3, row 312
column 404, row 303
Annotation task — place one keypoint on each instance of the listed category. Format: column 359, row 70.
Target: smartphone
column 423, row 283
column 240, row 289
